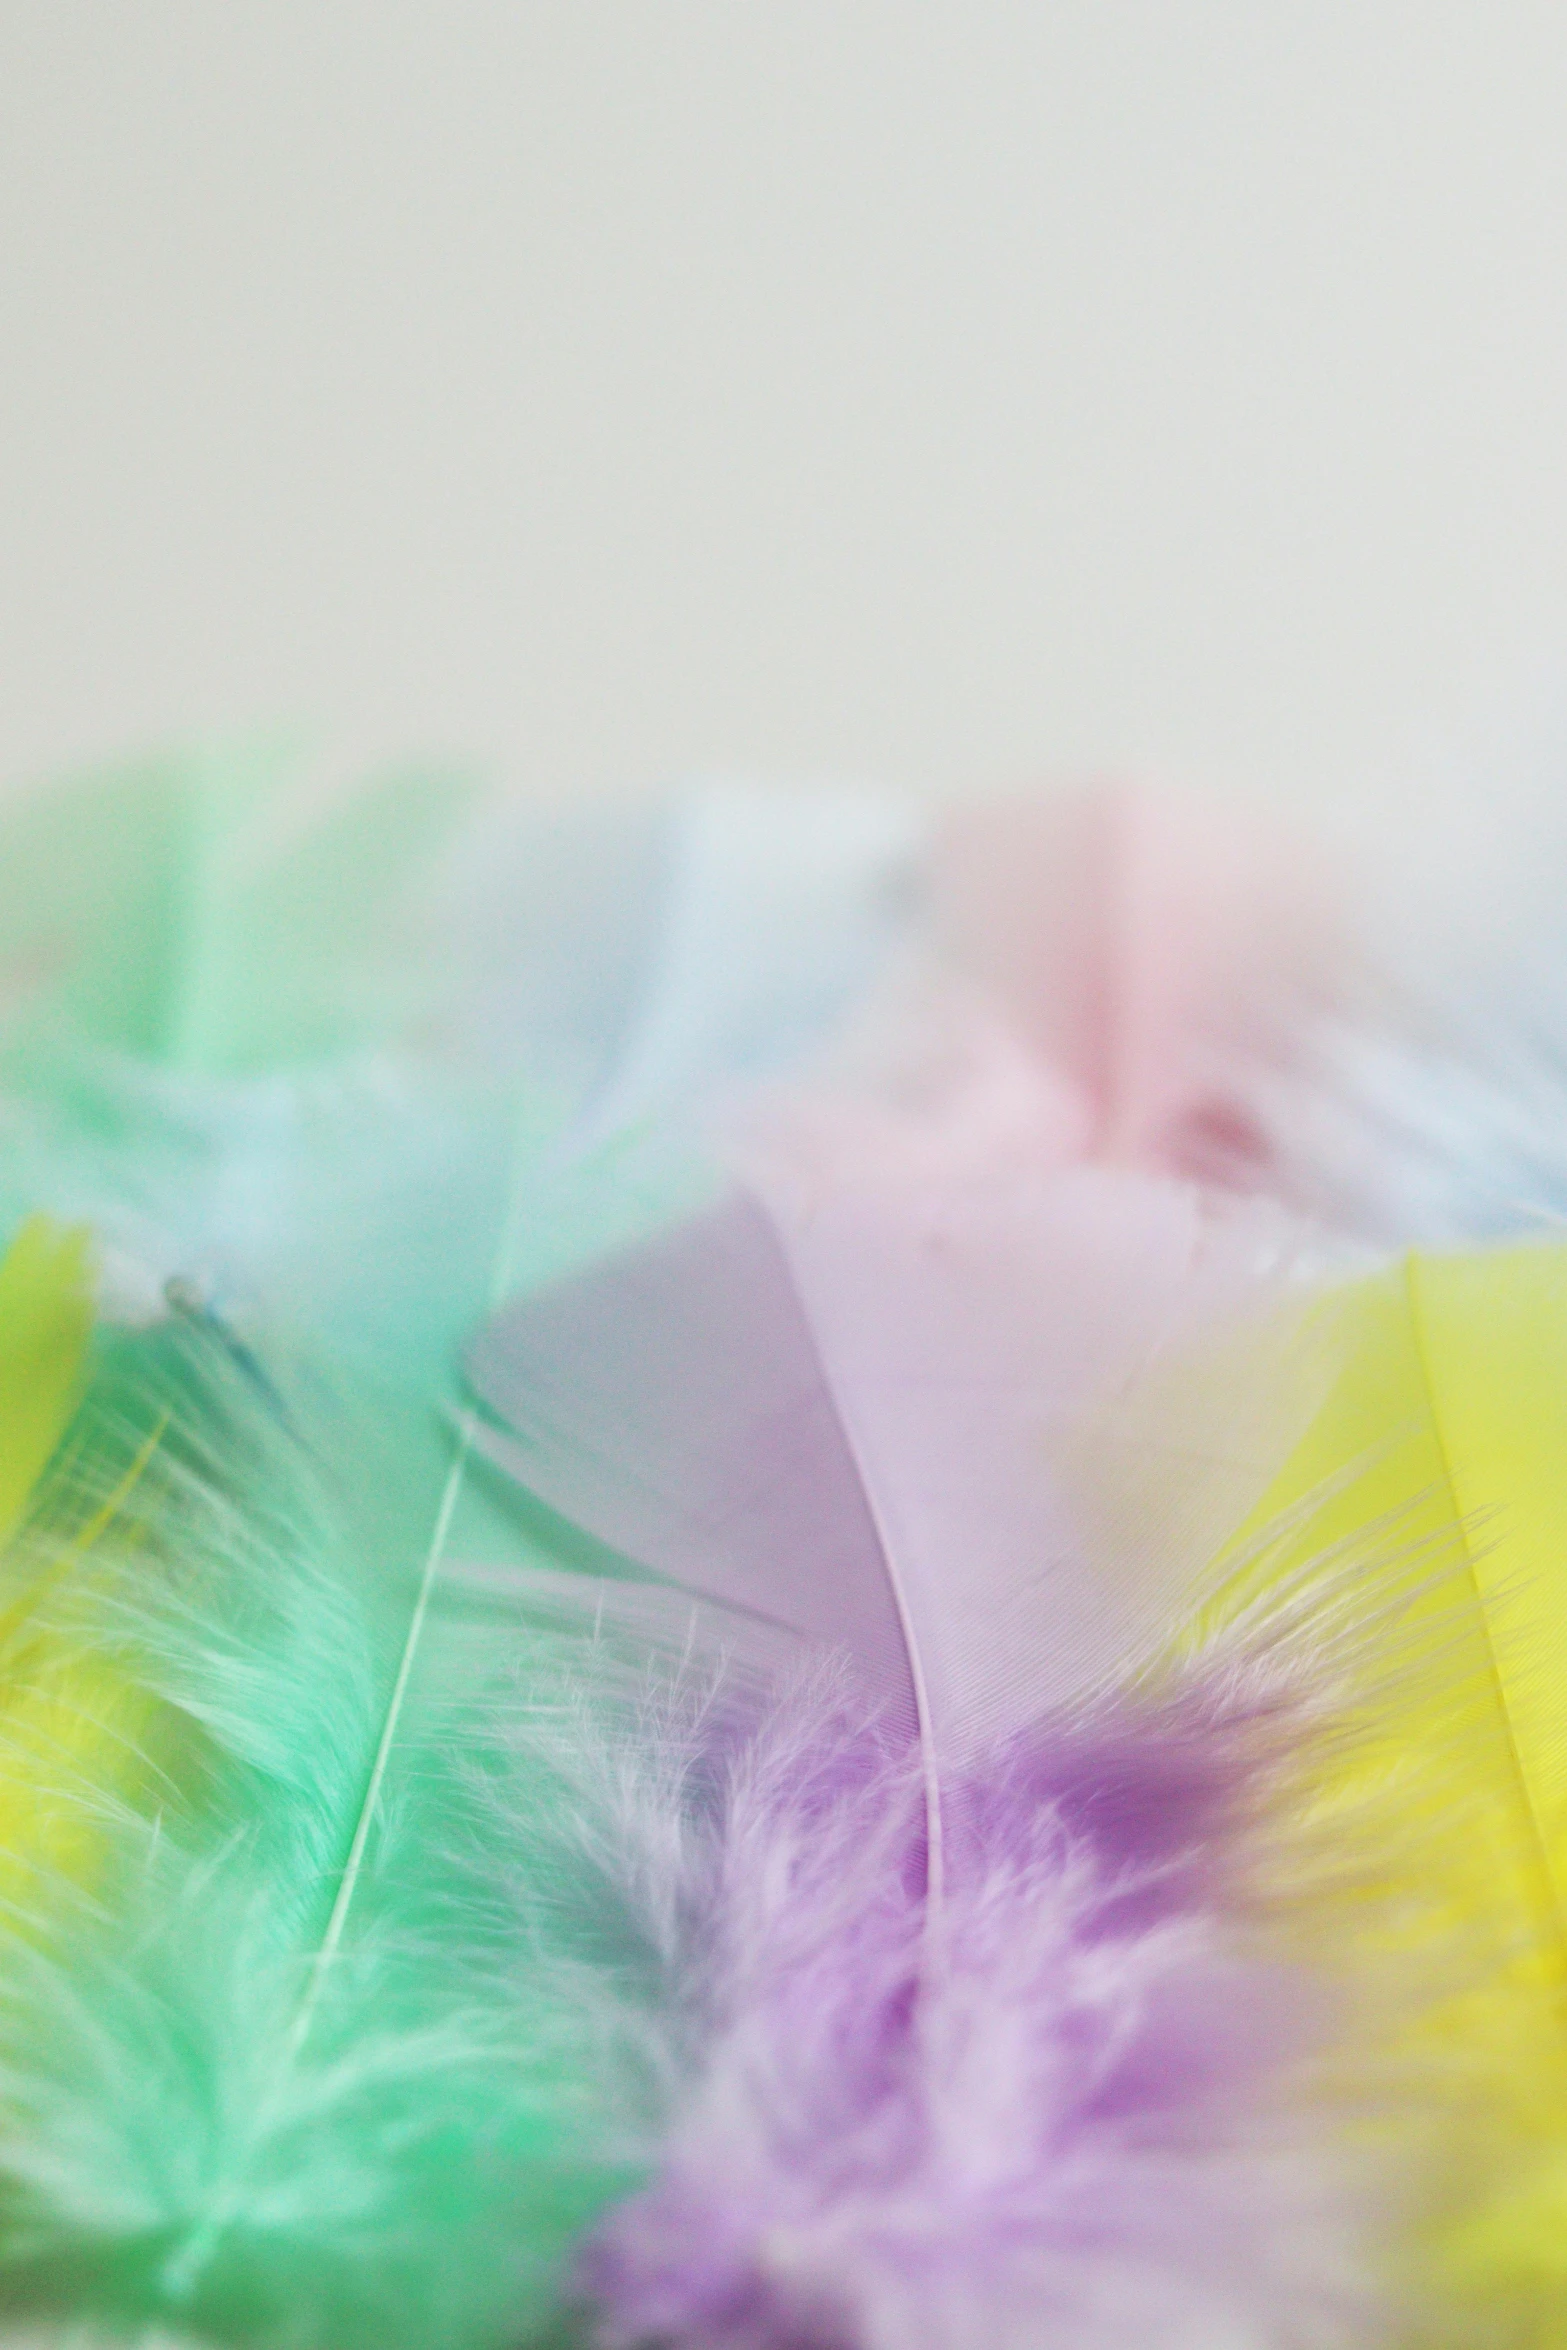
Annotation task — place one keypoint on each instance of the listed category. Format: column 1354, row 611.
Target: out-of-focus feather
column 1421, row 1108
column 1368, row 1031
column 332, row 1154
column 1128, row 934
column 1401, row 1071
column 637, row 955
column 62, row 1708
column 1437, row 1465
column 223, row 913
column 46, row 1317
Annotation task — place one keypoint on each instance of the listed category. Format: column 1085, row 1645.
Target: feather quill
column 819, row 1397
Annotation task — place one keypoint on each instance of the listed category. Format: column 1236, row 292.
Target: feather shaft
column 768, row 1401
column 202, row 2121
column 186, row 2267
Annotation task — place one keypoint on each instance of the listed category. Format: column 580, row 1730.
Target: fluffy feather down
column 1061, row 2116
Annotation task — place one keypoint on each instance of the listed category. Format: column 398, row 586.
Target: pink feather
column 1128, row 935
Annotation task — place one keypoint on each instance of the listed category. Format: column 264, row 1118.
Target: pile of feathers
column 776, row 1574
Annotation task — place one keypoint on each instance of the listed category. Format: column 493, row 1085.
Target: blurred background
column 941, row 394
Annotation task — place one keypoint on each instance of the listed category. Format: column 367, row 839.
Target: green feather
column 336, row 2043
column 204, row 913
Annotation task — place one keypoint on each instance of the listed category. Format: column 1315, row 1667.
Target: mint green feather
column 295, row 1052
column 221, row 913
column 343, row 2041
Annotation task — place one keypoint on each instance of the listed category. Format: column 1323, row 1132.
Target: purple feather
column 1055, row 2113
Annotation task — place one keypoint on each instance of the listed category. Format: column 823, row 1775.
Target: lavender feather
column 1058, row 2113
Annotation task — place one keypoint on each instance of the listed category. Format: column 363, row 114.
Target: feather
column 1435, row 1469
column 1402, row 1069
column 1066, row 2118
column 51, row 1699
column 1367, row 1030
column 636, row 955
column 965, row 2045
column 46, row 1318
column 224, row 913
column 881, row 1353
column 1127, row 935
column 1418, row 1107
column 335, row 1155
column 309, row 2023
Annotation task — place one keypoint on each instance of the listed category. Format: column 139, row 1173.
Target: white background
column 937, row 393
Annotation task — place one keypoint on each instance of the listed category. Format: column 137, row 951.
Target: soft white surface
column 932, row 390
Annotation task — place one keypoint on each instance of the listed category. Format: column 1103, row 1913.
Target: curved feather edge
column 900, row 1389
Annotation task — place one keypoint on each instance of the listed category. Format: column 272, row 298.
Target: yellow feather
column 1431, row 1494
column 66, row 1718
column 46, row 1318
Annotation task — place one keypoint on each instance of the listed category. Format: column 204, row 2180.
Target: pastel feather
column 1401, row 1064
column 46, row 1318
column 889, row 1349
column 55, row 1701
column 161, row 1080
column 1066, row 2116
column 227, row 912
column 1436, row 1464
column 1428, row 1111
column 1128, row 935
column 965, row 2044
column 309, row 2022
